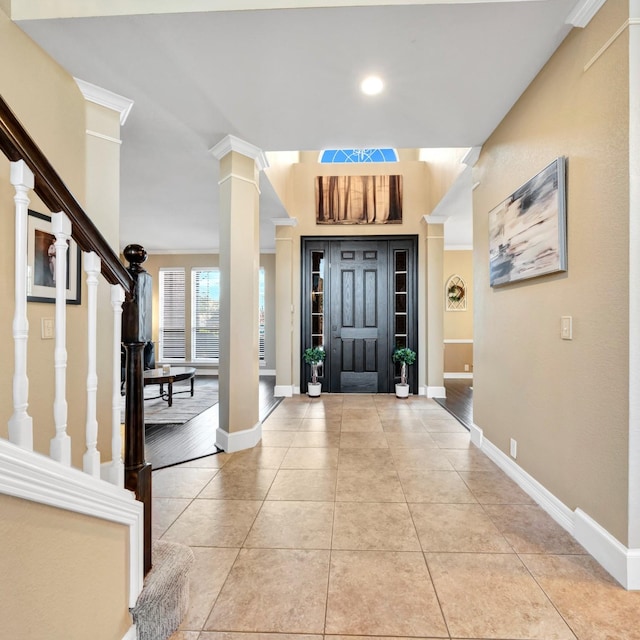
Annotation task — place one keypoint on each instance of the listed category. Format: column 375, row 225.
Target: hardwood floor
column 168, row 445
column 459, row 400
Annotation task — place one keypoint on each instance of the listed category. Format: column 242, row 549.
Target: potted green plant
column 405, row 357
column 314, row 356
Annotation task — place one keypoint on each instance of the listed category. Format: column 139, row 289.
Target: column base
column 283, row 391
column 238, row 440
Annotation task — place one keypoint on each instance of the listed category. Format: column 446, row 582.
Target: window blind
column 205, row 314
column 261, row 352
column 171, row 329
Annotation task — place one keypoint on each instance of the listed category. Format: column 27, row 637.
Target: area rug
column 184, row 408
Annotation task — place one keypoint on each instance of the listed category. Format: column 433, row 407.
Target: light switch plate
column 566, row 327
column 47, row 328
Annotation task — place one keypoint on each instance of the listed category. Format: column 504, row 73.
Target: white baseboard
column 458, row 375
column 477, row 436
column 296, row 391
column 238, row 440
column 436, row 392
column 131, row 634
column 283, row 391
column 267, row 372
column 620, row 561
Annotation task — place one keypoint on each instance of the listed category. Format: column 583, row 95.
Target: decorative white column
column 284, row 307
column 60, row 448
column 116, row 467
column 435, row 306
column 238, row 369
column 91, row 458
column 20, row 423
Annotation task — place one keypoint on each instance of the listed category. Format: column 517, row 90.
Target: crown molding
column 435, row 219
column 105, row 98
column 285, row 222
column 231, row 143
column 471, row 157
column 582, row 12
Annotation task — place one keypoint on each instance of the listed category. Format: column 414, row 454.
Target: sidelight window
column 400, row 275
column 317, row 299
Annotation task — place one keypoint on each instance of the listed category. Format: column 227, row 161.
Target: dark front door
column 359, row 303
column 358, row 316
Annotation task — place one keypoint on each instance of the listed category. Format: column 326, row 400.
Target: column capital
column 231, row 143
column 434, row 219
column 285, row 222
column 105, row 98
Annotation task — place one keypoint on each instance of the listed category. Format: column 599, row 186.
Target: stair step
column 164, row 600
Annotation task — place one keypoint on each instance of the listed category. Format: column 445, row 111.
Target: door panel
column 359, row 332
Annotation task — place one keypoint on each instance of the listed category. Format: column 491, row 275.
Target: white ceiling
column 287, row 79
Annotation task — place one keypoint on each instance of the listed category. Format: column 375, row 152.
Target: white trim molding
column 471, row 157
column 235, row 176
column 285, row 222
column 231, row 143
column 132, row 634
column 32, row 476
column 283, row 391
column 436, row 392
column 102, row 136
column 435, row 219
column 458, row 375
column 238, row 440
column 458, row 247
column 106, row 98
column 610, row 41
column 582, row 12
column 621, row 562
column 457, row 341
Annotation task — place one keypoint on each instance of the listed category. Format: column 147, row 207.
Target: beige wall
column 415, row 206
column 565, row 402
column 189, row 261
column 47, row 102
column 458, row 325
column 64, row 575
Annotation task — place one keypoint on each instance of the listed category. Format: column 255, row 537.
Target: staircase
column 117, row 491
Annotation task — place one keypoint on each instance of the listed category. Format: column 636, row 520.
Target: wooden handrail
column 17, row 144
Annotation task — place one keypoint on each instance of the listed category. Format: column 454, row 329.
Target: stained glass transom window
column 329, row 156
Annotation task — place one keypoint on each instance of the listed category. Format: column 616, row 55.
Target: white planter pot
column 402, row 390
column 314, row 389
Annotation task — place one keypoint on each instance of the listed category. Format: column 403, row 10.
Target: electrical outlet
column 47, row 328
column 466, row 367
column 513, row 449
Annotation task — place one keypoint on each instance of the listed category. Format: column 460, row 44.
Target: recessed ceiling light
column 371, row 85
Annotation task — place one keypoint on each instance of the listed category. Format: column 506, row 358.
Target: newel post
column 136, row 332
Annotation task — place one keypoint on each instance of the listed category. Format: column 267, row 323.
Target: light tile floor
column 364, row 515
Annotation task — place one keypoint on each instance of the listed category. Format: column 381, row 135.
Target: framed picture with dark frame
column 528, row 230
column 41, row 260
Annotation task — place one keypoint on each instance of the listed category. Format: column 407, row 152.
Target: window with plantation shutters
column 171, row 330
column 205, row 314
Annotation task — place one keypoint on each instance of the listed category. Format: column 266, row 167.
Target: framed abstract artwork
column 528, row 230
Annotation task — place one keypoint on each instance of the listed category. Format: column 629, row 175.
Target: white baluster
column 61, row 443
column 21, row 423
column 91, row 458
column 116, row 469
